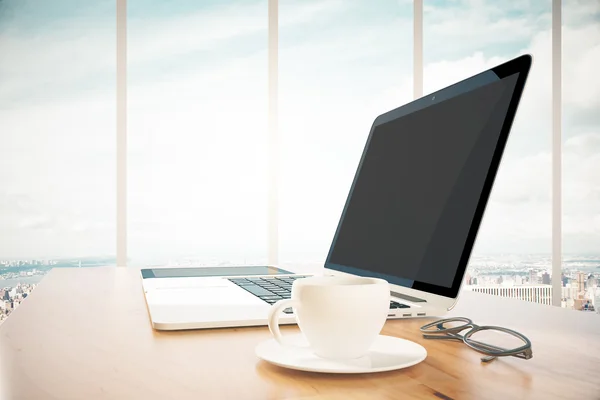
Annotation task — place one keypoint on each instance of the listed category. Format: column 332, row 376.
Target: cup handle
column 274, row 314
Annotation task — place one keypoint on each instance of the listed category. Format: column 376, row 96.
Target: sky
column 197, row 121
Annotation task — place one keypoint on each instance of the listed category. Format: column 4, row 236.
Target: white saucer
column 387, row 353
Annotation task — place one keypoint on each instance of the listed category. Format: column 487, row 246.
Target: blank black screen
column 415, row 195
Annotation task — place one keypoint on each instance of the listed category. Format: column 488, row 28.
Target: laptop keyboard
column 271, row 289
column 394, row 304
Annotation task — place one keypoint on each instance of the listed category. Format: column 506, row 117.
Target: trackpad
column 208, row 295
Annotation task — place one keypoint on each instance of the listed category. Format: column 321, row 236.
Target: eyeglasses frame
column 491, row 351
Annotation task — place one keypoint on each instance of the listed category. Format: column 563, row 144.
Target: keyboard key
column 258, row 291
column 394, row 304
column 269, row 287
column 273, row 297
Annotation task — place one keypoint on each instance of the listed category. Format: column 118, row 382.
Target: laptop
column 411, row 215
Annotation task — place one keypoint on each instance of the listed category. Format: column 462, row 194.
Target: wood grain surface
column 85, row 334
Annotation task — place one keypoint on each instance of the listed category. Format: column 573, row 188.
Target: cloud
column 77, row 52
column 581, row 53
column 581, row 192
column 453, row 30
column 35, row 223
column 198, row 124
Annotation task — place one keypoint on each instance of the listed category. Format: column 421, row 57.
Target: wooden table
column 85, row 334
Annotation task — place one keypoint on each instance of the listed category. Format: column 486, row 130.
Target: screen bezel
column 520, row 65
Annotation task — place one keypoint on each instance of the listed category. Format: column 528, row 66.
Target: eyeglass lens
column 494, row 341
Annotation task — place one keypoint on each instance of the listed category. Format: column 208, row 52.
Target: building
column 595, row 296
column 535, row 293
column 467, row 279
column 533, row 278
column 582, row 304
column 592, row 282
column 569, row 292
column 518, row 280
column 546, row 279
column 581, row 278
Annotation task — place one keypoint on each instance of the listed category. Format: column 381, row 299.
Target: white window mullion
column 273, row 136
column 417, row 49
column 556, row 151
column 121, row 133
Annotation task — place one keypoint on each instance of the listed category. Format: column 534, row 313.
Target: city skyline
column 191, row 65
column 498, row 260
column 528, row 279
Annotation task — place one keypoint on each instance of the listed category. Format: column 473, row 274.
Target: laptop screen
column 416, row 195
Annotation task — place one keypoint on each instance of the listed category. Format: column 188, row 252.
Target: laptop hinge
column 408, row 298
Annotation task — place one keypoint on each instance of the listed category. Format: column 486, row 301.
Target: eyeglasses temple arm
column 443, row 336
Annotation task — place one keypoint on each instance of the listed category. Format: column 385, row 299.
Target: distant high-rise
column 533, row 278
column 545, row 278
column 569, row 292
column 518, row 280
column 467, row 279
column 581, row 278
column 592, row 282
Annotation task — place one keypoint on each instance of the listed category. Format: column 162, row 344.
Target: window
column 57, row 147
column 341, row 64
column 581, row 152
column 460, row 39
column 197, row 111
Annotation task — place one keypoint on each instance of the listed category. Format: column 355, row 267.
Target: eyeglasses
column 450, row 329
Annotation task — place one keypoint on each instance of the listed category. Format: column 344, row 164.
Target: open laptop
column 411, row 216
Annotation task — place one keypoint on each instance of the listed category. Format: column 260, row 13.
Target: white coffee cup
column 340, row 316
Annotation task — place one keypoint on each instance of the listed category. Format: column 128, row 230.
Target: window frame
column 274, row 137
